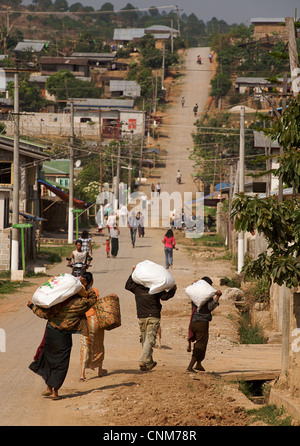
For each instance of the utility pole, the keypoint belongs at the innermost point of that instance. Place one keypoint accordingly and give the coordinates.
(15, 215)
(163, 68)
(71, 181)
(100, 150)
(130, 165)
(172, 37)
(284, 292)
(241, 242)
(142, 144)
(293, 55)
(280, 185)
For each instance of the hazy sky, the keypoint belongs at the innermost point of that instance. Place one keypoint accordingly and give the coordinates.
(232, 11)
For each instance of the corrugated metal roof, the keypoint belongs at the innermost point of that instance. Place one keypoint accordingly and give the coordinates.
(32, 45)
(98, 56)
(102, 103)
(161, 28)
(129, 88)
(267, 20)
(60, 166)
(128, 33)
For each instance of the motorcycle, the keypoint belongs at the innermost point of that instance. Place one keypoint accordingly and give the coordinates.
(178, 179)
(78, 268)
(199, 61)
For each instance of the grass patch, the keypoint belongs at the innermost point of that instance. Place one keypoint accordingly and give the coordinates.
(270, 415)
(250, 334)
(55, 254)
(8, 287)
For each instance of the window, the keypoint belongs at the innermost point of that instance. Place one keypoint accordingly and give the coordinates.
(64, 182)
(6, 172)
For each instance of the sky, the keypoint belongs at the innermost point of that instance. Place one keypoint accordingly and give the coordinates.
(232, 11)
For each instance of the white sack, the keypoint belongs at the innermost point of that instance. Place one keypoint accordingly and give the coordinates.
(153, 276)
(200, 292)
(56, 290)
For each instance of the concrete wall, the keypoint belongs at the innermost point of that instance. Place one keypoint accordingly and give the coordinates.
(5, 249)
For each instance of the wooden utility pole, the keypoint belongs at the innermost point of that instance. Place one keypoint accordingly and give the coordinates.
(293, 55)
(71, 179)
(280, 185)
(100, 150)
(16, 183)
(241, 242)
(163, 68)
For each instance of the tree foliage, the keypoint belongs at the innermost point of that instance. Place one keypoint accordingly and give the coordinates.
(278, 221)
(64, 85)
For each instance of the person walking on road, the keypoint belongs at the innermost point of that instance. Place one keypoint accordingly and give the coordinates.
(52, 358)
(114, 237)
(148, 308)
(195, 109)
(92, 345)
(86, 242)
(132, 224)
(169, 245)
(199, 329)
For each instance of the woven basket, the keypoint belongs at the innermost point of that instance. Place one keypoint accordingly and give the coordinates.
(108, 312)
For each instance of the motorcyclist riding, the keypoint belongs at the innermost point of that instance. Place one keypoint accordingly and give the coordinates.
(79, 260)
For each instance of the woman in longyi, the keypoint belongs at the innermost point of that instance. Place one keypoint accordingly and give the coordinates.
(92, 346)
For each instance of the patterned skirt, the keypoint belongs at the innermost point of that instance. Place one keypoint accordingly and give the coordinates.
(92, 347)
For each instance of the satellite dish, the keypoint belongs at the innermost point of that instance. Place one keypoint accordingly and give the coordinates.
(78, 163)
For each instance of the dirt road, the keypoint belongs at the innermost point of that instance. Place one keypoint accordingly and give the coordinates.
(126, 396)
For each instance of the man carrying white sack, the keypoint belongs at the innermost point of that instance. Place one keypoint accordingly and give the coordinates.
(199, 329)
(148, 312)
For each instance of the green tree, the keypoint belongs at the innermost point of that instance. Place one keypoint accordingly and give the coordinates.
(30, 97)
(64, 85)
(221, 85)
(279, 221)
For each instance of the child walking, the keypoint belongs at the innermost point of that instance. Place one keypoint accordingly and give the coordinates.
(107, 248)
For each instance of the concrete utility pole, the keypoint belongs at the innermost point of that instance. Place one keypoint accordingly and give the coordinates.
(241, 242)
(284, 292)
(16, 184)
(71, 180)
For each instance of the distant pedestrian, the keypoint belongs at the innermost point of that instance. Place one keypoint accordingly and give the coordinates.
(195, 109)
(140, 220)
(114, 237)
(169, 245)
(86, 242)
(199, 329)
(152, 190)
(107, 247)
(132, 224)
(158, 189)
